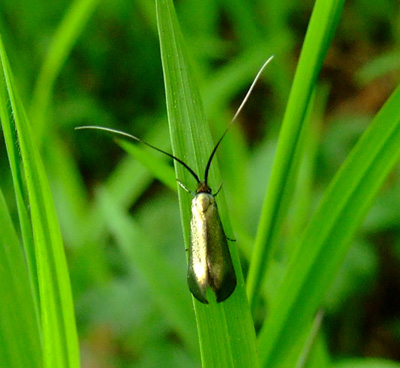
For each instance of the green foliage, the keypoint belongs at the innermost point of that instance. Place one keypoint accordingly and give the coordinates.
(54, 311)
(313, 153)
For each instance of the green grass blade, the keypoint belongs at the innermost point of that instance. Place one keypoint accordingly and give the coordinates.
(322, 26)
(20, 344)
(69, 191)
(19, 190)
(64, 39)
(327, 238)
(60, 344)
(226, 332)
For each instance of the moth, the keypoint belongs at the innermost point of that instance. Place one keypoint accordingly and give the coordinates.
(210, 264)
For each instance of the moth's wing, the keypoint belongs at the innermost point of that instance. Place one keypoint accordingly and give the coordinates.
(198, 269)
(222, 277)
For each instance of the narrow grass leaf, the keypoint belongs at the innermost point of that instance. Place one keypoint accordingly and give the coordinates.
(20, 344)
(69, 190)
(60, 343)
(319, 34)
(326, 240)
(64, 39)
(226, 331)
(19, 189)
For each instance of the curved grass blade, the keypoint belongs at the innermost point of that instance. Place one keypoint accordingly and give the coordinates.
(319, 34)
(59, 337)
(226, 332)
(64, 39)
(19, 189)
(326, 240)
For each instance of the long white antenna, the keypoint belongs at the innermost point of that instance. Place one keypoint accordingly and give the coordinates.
(235, 116)
(251, 88)
(119, 132)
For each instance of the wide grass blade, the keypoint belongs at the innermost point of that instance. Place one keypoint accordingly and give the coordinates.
(60, 344)
(226, 331)
(280, 190)
(326, 240)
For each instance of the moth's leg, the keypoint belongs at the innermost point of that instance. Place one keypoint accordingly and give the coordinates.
(185, 189)
(232, 240)
(220, 187)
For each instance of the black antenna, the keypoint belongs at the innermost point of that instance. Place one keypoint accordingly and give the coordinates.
(234, 118)
(119, 132)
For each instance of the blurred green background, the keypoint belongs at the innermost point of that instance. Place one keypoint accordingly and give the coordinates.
(110, 74)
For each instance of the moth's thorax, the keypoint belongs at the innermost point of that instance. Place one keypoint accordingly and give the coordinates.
(202, 201)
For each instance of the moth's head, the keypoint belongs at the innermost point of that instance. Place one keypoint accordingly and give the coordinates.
(203, 188)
